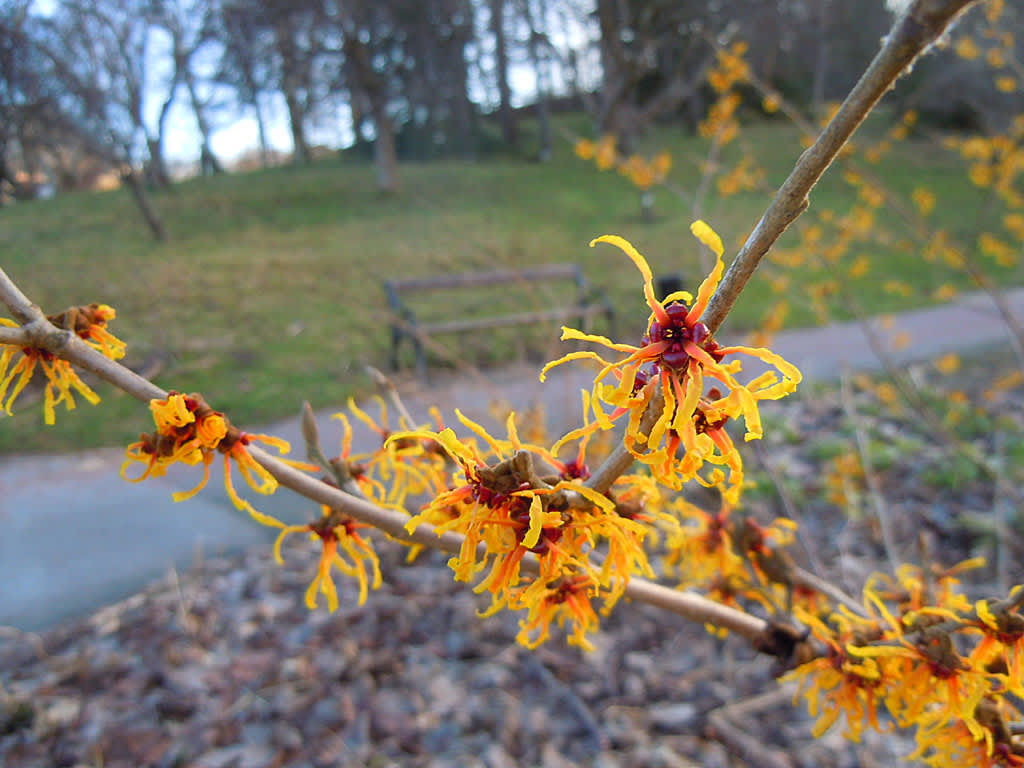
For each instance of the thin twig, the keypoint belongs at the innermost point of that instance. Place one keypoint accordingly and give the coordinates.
(874, 488)
(14, 336)
(1002, 516)
(621, 458)
(730, 725)
(393, 522)
(69, 347)
(314, 452)
(388, 385)
(912, 33)
(807, 580)
(789, 507)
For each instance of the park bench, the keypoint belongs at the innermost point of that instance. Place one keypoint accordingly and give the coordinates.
(587, 303)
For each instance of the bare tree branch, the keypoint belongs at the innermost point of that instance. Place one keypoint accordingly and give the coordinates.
(913, 32)
(64, 344)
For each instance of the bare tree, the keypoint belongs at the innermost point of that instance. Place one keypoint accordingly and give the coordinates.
(509, 130)
(190, 26)
(654, 60)
(297, 28)
(539, 46)
(246, 62)
(96, 53)
(363, 24)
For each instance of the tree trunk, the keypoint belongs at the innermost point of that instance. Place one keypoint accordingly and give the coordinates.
(6, 174)
(138, 190)
(261, 127)
(156, 172)
(542, 72)
(157, 165)
(461, 105)
(385, 155)
(301, 154)
(291, 81)
(821, 63)
(508, 120)
(616, 111)
(208, 162)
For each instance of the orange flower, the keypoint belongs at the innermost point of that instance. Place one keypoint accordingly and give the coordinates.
(90, 324)
(838, 684)
(337, 532)
(563, 600)
(585, 149)
(679, 354)
(506, 504)
(189, 431)
(398, 468)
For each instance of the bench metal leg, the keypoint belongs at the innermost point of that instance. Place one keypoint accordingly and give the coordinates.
(421, 359)
(396, 340)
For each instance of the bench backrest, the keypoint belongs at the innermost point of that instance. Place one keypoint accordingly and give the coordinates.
(495, 277)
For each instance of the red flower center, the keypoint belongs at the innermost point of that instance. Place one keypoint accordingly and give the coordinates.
(678, 334)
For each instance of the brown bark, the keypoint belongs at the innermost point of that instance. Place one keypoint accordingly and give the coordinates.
(138, 190)
(385, 155)
(509, 129)
(542, 71)
(209, 164)
(290, 83)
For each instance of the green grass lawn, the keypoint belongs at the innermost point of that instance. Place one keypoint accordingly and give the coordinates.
(269, 289)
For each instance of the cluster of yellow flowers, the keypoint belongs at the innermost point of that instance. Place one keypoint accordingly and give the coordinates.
(920, 651)
(535, 536)
(538, 537)
(668, 372)
(642, 172)
(189, 431)
(998, 46)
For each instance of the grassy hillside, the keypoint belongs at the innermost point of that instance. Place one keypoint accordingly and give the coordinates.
(269, 290)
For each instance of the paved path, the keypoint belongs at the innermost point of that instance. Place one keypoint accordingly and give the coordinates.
(74, 537)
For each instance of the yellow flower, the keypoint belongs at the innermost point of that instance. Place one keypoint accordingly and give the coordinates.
(562, 600)
(949, 363)
(605, 153)
(504, 509)
(585, 149)
(61, 379)
(966, 48)
(335, 530)
(679, 354)
(924, 199)
(189, 431)
(1006, 84)
(1014, 222)
(89, 323)
(1003, 253)
(395, 470)
(837, 684)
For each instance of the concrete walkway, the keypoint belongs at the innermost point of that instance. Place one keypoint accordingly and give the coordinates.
(73, 536)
